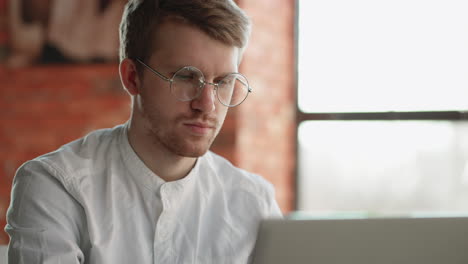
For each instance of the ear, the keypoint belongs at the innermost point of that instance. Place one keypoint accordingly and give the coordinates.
(129, 76)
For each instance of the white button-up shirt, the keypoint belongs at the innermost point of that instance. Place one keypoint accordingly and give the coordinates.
(94, 201)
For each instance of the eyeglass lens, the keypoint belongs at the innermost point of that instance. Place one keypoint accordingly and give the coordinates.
(188, 82)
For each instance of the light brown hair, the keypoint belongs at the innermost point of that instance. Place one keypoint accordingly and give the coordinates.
(222, 20)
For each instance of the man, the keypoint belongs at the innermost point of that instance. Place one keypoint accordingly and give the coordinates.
(149, 191)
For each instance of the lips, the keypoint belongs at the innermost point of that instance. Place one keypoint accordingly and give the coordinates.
(199, 128)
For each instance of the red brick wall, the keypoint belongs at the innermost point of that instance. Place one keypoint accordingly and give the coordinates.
(266, 122)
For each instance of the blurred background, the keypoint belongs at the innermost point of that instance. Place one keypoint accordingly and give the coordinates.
(358, 106)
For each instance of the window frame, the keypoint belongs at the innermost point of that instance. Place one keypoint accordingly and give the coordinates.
(301, 116)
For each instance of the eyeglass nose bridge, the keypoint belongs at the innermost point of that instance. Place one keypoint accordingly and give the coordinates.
(203, 83)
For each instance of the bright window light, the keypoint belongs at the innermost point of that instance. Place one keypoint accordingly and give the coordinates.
(377, 56)
(398, 55)
(383, 166)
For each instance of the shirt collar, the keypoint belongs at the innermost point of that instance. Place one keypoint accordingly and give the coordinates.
(135, 166)
(143, 174)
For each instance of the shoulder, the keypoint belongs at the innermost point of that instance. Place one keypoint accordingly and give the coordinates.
(91, 149)
(242, 190)
(241, 185)
(74, 157)
(87, 146)
(234, 176)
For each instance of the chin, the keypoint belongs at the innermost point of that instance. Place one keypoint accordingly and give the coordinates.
(189, 149)
(184, 145)
(192, 153)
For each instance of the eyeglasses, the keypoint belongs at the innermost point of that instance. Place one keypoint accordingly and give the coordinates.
(188, 82)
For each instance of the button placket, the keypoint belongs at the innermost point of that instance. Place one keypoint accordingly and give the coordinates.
(166, 204)
(170, 194)
(164, 223)
(163, 233)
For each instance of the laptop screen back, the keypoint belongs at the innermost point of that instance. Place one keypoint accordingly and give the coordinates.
(363, 241)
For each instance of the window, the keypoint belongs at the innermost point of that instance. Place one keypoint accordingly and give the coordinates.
(382, 95)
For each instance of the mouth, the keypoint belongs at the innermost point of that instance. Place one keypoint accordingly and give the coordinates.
(199, 128)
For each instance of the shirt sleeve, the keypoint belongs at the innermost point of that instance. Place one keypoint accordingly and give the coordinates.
(273, 209)
(44, 221)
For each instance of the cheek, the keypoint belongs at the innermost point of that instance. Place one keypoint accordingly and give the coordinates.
(155, 96)
(155, 88)
(222, 113)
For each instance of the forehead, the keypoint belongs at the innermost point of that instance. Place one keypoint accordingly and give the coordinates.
(176, 43)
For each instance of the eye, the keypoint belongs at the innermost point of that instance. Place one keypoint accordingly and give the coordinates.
(185, 77)
(227, 81)
(188, 74)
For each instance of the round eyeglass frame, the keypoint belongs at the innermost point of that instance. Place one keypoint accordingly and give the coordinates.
(203, 83)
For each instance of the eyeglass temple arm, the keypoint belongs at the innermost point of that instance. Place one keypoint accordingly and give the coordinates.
(246, 84)
(154, 71)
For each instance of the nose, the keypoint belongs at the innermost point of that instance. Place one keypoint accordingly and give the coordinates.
(205, 102)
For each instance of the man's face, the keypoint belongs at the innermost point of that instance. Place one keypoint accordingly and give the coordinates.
(183, 128)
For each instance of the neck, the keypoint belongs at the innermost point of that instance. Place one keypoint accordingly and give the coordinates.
(167, 165)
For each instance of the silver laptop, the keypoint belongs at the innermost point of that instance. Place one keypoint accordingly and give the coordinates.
(441, 240)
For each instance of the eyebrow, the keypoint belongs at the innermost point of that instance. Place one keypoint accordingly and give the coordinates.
(223, 74)
(170, 69)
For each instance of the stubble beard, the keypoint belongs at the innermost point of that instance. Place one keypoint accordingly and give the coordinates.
(162, 132)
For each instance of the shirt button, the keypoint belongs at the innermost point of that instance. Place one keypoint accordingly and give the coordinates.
(163, 234)
(166, 204)
(178, 188)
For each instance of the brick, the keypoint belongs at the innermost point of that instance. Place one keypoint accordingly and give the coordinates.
(270, 132)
